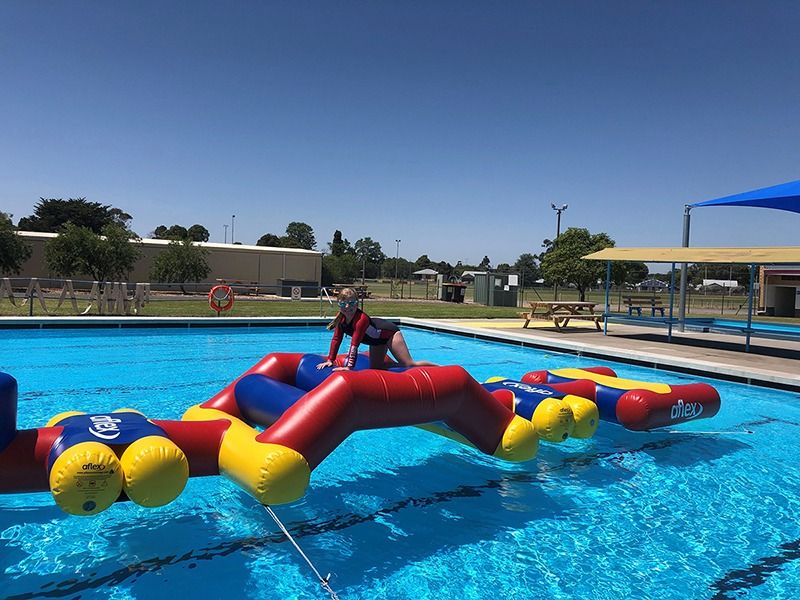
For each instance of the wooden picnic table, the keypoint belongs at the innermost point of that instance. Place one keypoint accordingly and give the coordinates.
(560, 313)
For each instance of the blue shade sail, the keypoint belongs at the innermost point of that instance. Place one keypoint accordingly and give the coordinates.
(785, 196)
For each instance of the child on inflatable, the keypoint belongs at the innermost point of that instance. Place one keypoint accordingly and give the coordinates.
(379, 334)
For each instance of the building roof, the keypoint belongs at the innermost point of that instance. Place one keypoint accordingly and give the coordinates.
(748, 256)
(214, 245)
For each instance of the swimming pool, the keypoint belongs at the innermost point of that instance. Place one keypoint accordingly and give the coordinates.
(405, 514)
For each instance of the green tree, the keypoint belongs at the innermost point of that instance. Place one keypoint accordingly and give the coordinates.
(80, 251)
(198, 233)
(562, 263)
(300, 235)
(13, 249)
(182, 261)
(424, 262)
(486, 264)
(369, 255)
(340, 269)
(526, 266)
(50, 214)
(174, 232)
(339, 246)
(269, 239)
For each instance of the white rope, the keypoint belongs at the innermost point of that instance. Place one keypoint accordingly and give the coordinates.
(324, 581)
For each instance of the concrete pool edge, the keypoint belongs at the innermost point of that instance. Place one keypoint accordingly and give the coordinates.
(670, 359)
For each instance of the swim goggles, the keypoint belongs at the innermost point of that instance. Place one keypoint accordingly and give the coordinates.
(347, 303)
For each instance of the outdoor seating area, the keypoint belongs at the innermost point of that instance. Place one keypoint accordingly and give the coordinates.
(561, 313)
(637, 303)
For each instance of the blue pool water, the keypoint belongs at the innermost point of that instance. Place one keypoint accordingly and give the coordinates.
(403, 513)
(760, 326)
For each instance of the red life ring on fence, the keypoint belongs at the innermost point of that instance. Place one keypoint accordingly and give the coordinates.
(220, 298)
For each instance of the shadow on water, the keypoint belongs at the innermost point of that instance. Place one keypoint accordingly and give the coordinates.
(381, 521)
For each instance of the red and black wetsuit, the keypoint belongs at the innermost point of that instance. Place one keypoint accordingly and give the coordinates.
(363, 328)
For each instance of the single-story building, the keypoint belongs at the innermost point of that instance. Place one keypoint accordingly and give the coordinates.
(272, 268)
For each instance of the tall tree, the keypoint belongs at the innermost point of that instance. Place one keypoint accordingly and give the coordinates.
(486, 264)
(300, 235)
(369, 255)
(173, 232)
(198, 233)
(269, 239)
(526, 266)
(13, 249)
(339, 246)
(181, 262)
(49, 214)
(80, 251)
(563, 264)
(423, 262)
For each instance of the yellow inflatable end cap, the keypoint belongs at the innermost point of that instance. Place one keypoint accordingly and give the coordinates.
(553, 420)
(155, 471)
(86, 479)
(495, 379)
(586, 413)
(520, 441)
(61, 416)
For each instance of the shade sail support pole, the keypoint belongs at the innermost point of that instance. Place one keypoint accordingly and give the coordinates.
(687, 218)
(608, 295)
(750, 308)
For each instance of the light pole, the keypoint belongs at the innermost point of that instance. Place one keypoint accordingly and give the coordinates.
(559, 210)
(232, 227)
(225, 227)
(396, 260)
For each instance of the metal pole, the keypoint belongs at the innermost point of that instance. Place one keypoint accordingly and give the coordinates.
(558, 210)
(671, 302)
(233, 217)
(687, 218)
(396, 260)
(225, 227)
(750, 307)
(608, 291)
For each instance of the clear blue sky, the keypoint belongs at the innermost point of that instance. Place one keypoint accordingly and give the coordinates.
(449, 125)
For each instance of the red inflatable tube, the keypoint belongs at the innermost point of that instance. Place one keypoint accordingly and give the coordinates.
(23, 463)
(354, 400)
(278, 365)
(640, 410)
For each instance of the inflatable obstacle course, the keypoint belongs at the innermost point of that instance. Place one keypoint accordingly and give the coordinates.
(89, 461)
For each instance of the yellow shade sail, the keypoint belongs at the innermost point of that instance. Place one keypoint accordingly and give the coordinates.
(749, 256)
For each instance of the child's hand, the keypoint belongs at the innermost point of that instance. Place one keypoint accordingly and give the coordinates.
(325, 365)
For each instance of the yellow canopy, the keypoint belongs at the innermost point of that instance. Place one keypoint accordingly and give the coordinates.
(748, 256)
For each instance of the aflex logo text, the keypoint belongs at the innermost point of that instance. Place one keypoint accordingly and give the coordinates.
(688, 410)
(104, 427)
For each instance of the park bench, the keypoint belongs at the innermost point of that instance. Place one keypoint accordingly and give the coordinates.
(637, 303)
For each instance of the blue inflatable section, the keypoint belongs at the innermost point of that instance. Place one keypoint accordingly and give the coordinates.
(262, 399)
(114, 428)
(527, 395)
(606, 399)
(8, 409)
(308, 376)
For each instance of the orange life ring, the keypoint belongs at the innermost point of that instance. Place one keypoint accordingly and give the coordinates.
(220, 298)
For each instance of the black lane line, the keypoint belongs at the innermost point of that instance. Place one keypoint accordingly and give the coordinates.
(739, 580)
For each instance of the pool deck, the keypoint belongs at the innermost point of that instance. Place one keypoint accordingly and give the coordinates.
(774, 363)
